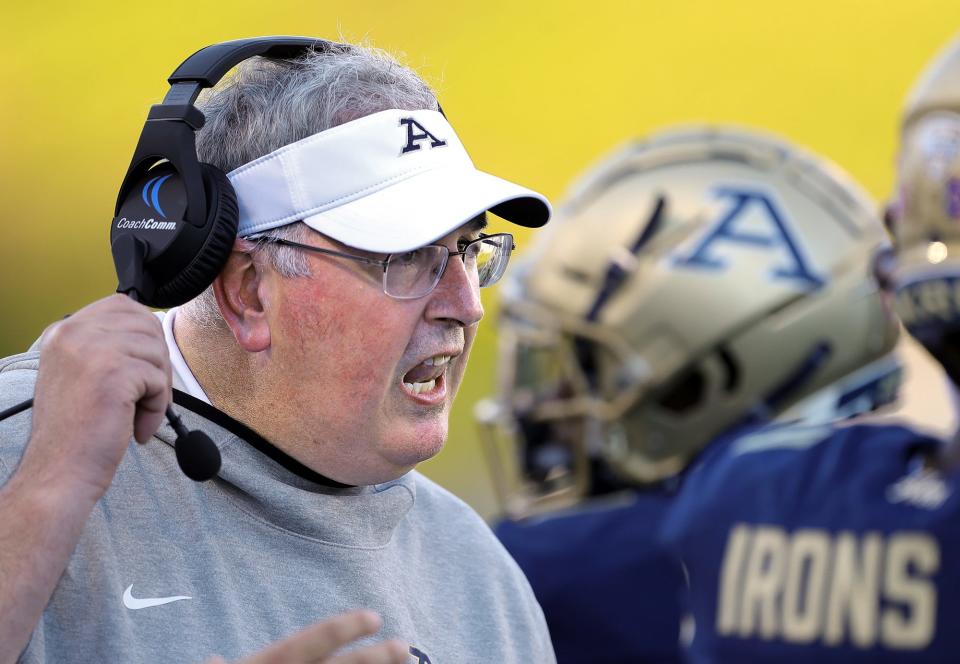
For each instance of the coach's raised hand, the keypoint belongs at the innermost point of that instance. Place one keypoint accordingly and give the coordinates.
(104, 378)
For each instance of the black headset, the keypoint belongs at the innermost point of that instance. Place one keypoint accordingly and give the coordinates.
(176, 218)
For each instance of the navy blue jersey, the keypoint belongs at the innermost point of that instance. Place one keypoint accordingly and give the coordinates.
(820, 544)
(609, 593)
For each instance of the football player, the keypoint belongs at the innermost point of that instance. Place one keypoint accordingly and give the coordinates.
(841, 543)
(700, 282)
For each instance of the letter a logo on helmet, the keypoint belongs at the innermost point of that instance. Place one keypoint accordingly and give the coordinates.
(151, 193)
(778, 236)
(413, 138)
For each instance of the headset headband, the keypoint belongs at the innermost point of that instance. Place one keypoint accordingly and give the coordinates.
(176, 219)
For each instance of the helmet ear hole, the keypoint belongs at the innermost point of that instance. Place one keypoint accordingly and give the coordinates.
(685, 392)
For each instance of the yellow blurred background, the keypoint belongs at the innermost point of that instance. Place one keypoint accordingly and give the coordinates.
(536, 90)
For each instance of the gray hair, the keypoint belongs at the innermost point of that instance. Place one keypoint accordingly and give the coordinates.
(270, 103)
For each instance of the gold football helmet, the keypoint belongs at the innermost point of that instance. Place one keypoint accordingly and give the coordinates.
(926, 216)
(690, 283)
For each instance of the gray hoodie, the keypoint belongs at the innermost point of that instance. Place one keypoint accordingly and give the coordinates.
(169, 570)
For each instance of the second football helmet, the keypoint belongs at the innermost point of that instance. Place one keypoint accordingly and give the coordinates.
(690, 283)
(926, 216)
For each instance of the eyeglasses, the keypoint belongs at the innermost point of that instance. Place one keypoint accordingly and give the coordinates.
(416, 273)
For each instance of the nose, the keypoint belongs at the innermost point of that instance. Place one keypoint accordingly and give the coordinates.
(457, 297)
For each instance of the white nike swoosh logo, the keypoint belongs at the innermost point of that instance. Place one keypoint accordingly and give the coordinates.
(132, 602)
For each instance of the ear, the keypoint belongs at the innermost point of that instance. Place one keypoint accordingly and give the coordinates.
(238, 292)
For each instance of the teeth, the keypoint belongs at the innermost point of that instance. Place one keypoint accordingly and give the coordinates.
(430, 385)
(418, 388)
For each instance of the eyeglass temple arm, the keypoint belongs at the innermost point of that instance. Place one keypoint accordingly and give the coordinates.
(363, 259)
(320, 250)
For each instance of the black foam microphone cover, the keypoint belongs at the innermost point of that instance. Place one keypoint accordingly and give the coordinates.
(198, 456)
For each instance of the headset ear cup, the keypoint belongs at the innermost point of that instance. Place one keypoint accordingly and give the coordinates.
(222, 220)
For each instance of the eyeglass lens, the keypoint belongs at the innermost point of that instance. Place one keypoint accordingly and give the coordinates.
(416, 273)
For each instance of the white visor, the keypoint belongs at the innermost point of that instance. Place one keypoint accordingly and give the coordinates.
(388, 182)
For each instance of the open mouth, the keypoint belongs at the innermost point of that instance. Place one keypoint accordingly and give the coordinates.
(427, 378)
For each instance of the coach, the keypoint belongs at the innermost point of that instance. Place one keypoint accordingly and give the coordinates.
(323, 362)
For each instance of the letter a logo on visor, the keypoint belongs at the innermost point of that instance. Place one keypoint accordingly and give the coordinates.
(377, 183)
(413, 139)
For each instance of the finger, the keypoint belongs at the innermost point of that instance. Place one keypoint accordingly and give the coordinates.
(136, 337)
(143, 322)
(112, 317)
(48, 331)
(137, 346)
(90, 354)
(323, 639)
(149, 416)
(319, 640)
(387, 652)
(115, 303)
(152, 407)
